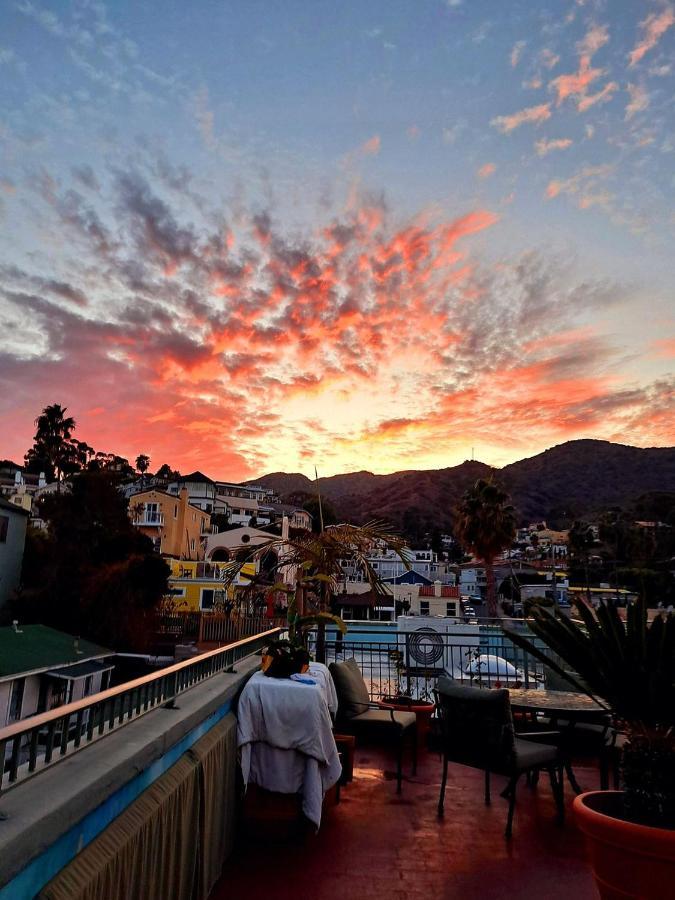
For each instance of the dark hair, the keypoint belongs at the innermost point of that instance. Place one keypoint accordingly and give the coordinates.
(287, 659)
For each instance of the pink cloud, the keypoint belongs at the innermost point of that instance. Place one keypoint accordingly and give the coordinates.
(653, 27)
(516, 53)
(486, 170)
(543, 147)
(603, 96)
(533, 114)
(639, 100)
(371, 146)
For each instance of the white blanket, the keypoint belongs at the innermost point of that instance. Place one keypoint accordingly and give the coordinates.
(285, 739)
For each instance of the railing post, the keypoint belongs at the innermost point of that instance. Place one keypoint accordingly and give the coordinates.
(200, 637)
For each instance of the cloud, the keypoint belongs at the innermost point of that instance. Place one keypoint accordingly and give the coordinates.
(603, 96)
(580, 182)
(371, 147)
(487, 170)
(533, 114)
(544, 147)
(639, 100)
(516, 53)
(653, 28)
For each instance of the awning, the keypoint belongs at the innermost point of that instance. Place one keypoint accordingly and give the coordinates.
(80, 670)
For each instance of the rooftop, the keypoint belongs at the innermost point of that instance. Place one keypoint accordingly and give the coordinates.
(33, 648)
(375, 844)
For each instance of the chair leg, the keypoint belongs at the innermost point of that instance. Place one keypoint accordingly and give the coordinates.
(556, 775)
(487, 787)
(399, 764)
(444, 780)
(512, 805)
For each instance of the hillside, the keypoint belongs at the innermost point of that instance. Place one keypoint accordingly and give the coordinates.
(571, 480)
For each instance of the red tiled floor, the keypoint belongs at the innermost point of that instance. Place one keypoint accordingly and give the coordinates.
(376, 844)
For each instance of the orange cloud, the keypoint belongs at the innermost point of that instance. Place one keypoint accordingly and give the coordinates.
(639, 100)
(601, 97)
(486, 170)
(371, 146)
(653, 27)
(533, 114)
(543, 147)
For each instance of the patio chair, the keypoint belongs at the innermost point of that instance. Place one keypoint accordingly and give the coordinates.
(359, 716)
(477, 731)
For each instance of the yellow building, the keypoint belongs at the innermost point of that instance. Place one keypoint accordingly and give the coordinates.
(175, 527)
(199, 586)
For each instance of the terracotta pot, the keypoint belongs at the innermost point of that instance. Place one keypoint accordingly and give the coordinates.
(630, 861)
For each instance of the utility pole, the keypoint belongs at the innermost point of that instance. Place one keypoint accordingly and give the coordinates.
(318, 493)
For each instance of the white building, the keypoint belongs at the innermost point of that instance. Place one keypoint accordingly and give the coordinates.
(41, 668)
(13, 522)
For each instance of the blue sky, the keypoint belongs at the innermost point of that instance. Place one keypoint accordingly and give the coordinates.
(171, 179)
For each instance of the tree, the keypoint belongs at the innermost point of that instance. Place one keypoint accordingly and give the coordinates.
(166, 473)
(328, 512)
(142, 463)
(310, 565)
(92, 573)
(53, 447)
(485, 524)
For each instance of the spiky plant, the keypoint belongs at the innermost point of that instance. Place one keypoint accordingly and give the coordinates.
(630, 667)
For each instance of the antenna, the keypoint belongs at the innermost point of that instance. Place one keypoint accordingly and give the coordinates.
(318, 494)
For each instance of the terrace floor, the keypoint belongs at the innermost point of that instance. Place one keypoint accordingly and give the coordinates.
(375, 844)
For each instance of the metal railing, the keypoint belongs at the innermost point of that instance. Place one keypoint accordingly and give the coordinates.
(31, 745)
(408, 663)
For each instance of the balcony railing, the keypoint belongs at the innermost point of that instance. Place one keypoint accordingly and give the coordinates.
(213, 627)
(149, 519)
(409, 663)
(31, 745)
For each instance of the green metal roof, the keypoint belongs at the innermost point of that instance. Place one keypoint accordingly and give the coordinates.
(36, 647)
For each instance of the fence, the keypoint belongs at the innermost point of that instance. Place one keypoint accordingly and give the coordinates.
(217, 628)
(408, 663)
(28, 746)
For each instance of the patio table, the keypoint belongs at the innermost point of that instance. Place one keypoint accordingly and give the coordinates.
(570, 706)
(285, 738)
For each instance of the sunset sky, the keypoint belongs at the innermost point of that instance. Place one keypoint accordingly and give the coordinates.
(257, 236)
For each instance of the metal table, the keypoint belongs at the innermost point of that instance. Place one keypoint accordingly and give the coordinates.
(568, 707)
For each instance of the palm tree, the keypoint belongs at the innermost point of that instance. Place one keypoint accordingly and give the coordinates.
(485, 524)
(312, 564)
(142, 466)
(53, 438)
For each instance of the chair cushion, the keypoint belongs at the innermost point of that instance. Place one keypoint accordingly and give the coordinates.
(528, 754)
(382, 718)
(353, 696)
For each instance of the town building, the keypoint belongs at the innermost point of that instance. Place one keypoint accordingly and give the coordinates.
(42, 668)
(13, 523)
(176, 527)
(200, 488)
(205, 586)
(420, 567)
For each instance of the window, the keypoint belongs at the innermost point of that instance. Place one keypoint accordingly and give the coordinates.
(450, 609)
(16, 700)
(424, 607)
(208, 595)
(175, 512)
(87, 686)
(4, 527)
(105, 680)
(192, 544)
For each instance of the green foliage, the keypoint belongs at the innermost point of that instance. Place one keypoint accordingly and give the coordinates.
(93, 573)
(485, 524)
(630, 667)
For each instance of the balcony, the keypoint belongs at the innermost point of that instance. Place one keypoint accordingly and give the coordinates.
(149, 520)
(375, 845)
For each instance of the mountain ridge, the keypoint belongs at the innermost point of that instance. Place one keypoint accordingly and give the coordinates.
(570, 480)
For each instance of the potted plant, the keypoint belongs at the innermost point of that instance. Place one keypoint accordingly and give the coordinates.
(629, 667)
(422, 706)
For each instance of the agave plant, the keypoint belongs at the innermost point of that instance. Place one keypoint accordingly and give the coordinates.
(629, 667)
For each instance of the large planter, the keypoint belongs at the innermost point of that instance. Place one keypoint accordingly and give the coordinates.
(630, 861)
(423, 709)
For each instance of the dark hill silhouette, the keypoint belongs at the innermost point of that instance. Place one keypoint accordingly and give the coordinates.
(572, 480)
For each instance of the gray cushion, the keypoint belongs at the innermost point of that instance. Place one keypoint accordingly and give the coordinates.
(351, 688)
(382, 717)
(529, 754)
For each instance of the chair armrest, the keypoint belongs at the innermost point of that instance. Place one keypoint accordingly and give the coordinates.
(540, 737)
(379, 705)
